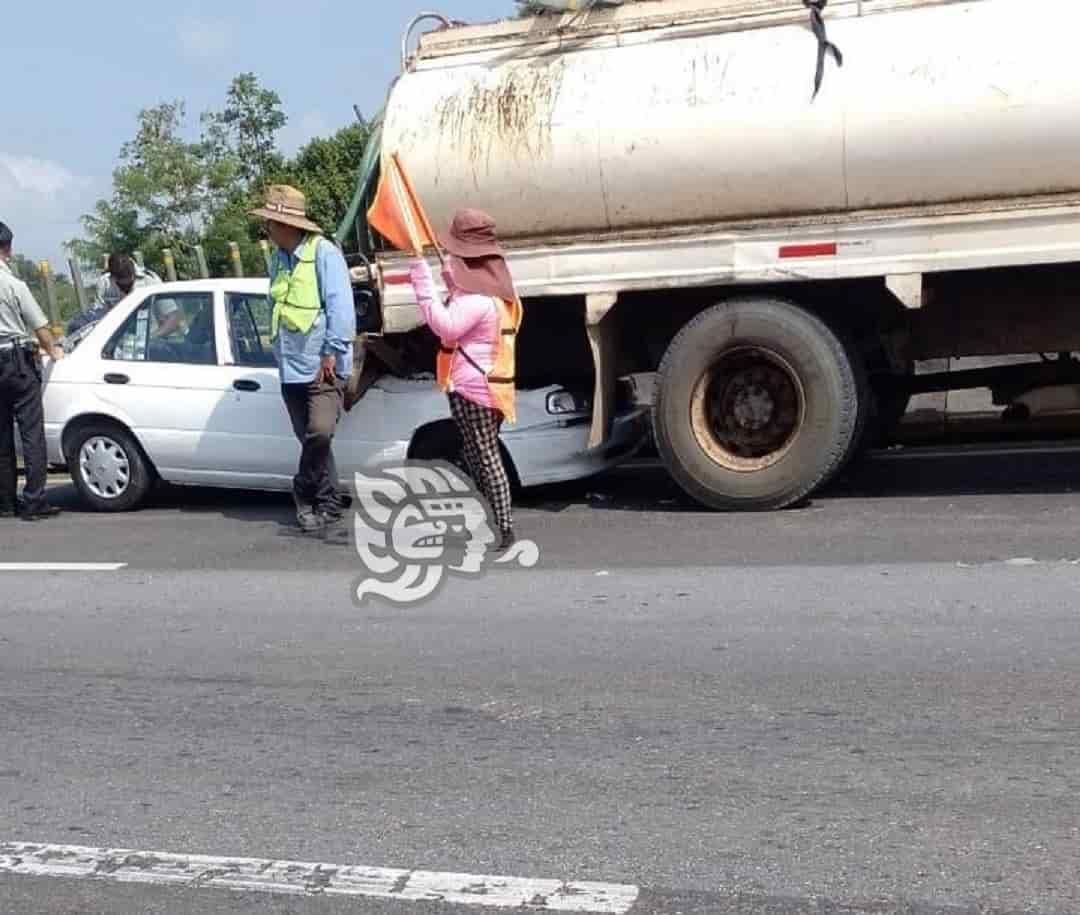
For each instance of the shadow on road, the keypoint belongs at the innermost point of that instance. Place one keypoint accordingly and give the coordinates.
(646, 486)
(907, 473)
(961, 472)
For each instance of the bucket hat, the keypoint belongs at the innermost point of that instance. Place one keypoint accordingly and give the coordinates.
(288, 206)
(481, 266)
(471, 235)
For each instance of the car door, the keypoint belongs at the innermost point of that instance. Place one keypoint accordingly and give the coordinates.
(256, 411)
(262, 437)
(160, 371)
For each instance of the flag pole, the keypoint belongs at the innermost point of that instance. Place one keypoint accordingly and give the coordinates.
(419, 209)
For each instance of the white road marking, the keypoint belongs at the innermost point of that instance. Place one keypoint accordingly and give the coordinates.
(297, 878)
(62, 566)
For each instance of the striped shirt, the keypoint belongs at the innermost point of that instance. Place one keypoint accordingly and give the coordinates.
(110, 295)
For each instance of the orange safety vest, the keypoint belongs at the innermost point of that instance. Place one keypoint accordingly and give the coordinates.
(502, 376)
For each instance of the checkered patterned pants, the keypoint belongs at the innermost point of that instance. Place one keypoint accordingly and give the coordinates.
(480, 433)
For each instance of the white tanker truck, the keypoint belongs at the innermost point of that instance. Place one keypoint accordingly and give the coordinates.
(677, 200)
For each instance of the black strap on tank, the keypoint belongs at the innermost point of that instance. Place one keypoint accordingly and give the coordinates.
(817, 23)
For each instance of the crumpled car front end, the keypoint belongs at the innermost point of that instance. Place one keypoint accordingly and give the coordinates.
(550, 442)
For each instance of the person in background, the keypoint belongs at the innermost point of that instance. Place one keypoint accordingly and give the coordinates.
(313, 327)
(21, 323)
(168, 318)
(476, 327)
(122, 278)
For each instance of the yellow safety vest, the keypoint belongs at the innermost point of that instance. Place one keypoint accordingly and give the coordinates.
(296, 294)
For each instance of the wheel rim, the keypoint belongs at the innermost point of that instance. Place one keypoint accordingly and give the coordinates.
(105, 467)
(747, 409)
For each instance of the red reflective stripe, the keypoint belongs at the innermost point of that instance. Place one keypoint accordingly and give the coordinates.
(827, 249)
(397, 279)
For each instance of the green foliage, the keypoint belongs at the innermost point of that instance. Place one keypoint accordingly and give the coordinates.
(244, 132)
(30, 273)
(165, 189)
(173, 192)
(325, 170)
(169, 181)
(109, 228)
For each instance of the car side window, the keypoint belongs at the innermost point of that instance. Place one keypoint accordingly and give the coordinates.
(168, 328)
(249, 327)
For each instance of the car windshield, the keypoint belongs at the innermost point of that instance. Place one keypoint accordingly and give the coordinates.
(71, 341)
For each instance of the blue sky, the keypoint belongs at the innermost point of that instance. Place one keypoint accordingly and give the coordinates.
(78, 74)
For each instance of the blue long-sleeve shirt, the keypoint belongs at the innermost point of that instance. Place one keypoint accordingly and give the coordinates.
(299, 355)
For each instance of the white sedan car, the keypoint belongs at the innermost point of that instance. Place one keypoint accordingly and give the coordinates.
(137, 401)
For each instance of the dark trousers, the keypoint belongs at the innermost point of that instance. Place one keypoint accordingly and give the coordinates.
(314, 410)
(20, 401)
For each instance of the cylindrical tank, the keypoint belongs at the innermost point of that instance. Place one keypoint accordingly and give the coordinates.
(682, 125)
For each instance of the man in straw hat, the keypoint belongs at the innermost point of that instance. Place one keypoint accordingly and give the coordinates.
(313, 328)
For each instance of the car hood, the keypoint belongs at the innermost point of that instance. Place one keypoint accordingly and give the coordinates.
(531, 402)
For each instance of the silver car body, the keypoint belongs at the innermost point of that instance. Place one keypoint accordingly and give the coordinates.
(222, 424)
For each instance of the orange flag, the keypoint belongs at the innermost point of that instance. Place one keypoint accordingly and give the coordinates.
(396, 213)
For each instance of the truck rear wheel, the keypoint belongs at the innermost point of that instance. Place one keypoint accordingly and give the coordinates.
(757, 405)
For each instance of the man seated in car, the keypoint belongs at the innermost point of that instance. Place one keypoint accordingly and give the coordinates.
(168, 318)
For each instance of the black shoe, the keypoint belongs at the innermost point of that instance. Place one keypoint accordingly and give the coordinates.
(12, 511)
(507, 541)
(41, 514)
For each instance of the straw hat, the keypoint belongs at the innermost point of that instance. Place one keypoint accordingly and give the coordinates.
(287, 206)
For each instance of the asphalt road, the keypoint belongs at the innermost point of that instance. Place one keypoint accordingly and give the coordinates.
(865, 704)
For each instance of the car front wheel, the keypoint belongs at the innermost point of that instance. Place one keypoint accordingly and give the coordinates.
(109, 469)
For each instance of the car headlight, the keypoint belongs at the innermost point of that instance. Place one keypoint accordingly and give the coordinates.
(560, 403)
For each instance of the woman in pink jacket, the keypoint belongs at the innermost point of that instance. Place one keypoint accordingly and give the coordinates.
(476, 276)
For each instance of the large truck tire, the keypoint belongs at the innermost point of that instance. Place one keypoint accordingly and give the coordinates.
(866, 406)
(887, 402)
(757, 405)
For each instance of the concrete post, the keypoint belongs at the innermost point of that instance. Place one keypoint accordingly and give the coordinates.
(200, 257)
(264, 246)
(138, 258)
(49, 281)
(170, 265)
(77, 282)
(234, 256)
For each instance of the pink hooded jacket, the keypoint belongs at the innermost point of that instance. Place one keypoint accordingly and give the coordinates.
(470, 321)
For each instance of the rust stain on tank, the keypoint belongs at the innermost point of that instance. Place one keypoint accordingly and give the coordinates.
(509, 116)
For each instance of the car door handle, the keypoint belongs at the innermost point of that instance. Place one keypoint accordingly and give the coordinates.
(243, 385)
(116, 379)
